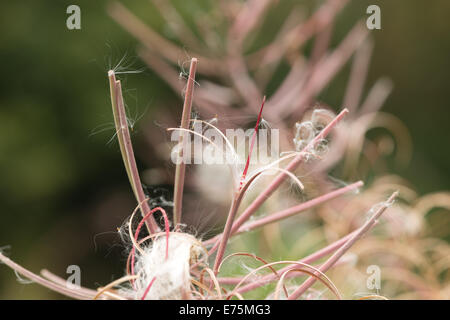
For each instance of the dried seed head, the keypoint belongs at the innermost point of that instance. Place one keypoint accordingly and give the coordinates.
(172, 275)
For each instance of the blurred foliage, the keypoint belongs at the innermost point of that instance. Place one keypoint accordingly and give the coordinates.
(54, 94)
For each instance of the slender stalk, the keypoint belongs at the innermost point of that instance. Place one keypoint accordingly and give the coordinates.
(126, 148)
(181, 165)
(298, 208)
(73, 293)
(113, 92)
(344, 248)
(237, 198)
(222, 243)
(225, 235)
(63, 282)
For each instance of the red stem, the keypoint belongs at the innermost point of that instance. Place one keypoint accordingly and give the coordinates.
(244, 173)
(181, 166)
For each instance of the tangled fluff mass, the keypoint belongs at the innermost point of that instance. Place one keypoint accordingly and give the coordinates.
(170, 274)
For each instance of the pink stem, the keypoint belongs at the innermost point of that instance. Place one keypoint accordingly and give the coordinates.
(299, 208)
(130, 159)
(44, 282)
(222, 243)
(344, 248)
(181, 166)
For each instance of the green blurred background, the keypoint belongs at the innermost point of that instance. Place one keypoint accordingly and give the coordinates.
(63, 191)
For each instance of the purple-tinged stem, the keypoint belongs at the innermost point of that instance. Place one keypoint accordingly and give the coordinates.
(237, 198)
(344, 248)
(63, 282)
(298, 208)
(126, 149)
(181, 165)
(222, 243)
(73, 293)
(226, 234)
(113, 92)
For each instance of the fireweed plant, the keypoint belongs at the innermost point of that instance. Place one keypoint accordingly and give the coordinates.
(168, 261)
(171, 264)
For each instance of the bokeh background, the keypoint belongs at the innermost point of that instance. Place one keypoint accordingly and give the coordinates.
(63, 189)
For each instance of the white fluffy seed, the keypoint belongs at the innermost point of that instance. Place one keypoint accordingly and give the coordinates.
(172, 275)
